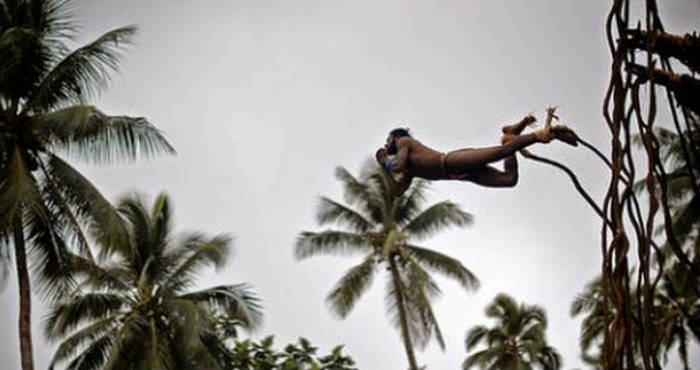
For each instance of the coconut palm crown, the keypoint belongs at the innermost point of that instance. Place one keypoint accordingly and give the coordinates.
(135, 310)
(516, 342)
(44, 87)
(382, 228)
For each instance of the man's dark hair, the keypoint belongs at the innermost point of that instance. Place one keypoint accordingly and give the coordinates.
(400, 132)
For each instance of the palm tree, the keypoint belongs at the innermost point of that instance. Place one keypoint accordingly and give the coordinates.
(516, 342)
(134, 311)
(681, 171)
(678, 309)
(43, 90)
(684, 197)
(677, 303)
(598, 307)
(380, 227)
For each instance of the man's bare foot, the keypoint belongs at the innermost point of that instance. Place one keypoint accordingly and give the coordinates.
(565, 134)
(507, 138)
(518, 127)
(545, 134)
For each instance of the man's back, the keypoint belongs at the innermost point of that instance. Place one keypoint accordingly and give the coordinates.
(421, 161)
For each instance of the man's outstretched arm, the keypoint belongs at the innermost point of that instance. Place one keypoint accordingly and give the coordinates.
(397, 187)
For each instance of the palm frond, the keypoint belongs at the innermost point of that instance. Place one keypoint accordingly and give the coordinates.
(132, 208)
(474, 336)
(417, 280)
(160, 214)
(237, 301)
(412, 201)
(595, 303)
(503, 306)
(357, 192)
(592, 329)
(93, 357)
(393, 299)
(24, 58)
(399, 292)
(199, 253)
(81, 74)
(496, 336)
(217, 349)
(533, 333)
(420, 290)
(331, 242)
(593, 295)
(445, 265)
(114, 277)
(687, 218)
(18, 189)
(85, 132)
(72, 227)
(437, 217)
(128, 343)
(549, 358)
(532, 315)
(481, 359)
(49, 252)
(353, 189)
(66, 316)
(350, 287)
(331, 211)
(381, 195)
(76, 341)
(192, 332)
(101, 218)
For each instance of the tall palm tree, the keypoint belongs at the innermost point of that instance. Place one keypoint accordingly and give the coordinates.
(678, 311)
(43, 89)
(516, 342)
(381, 227)
(135, 310)
(677, 303)
(597, 306)
(598, 309)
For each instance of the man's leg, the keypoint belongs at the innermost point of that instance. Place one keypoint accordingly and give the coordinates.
(472, 164)
(492, 177)
(476, 158)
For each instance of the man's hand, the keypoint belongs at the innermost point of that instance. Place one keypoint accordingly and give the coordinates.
(384, 161)
(381, 156)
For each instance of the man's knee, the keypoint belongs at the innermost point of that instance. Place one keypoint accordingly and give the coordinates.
(511, 180)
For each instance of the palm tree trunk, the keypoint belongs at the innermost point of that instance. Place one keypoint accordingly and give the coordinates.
(25, 299)
(403, 319)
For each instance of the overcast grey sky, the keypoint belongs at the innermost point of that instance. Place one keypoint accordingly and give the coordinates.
(262, 99)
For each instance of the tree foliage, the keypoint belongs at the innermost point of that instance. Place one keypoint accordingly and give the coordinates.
(381, 228)
(676, 317)
(44, 115)
(517, 340)
(252, 355)
(135, 310)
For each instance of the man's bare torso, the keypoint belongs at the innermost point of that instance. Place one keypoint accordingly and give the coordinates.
(422, 161)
